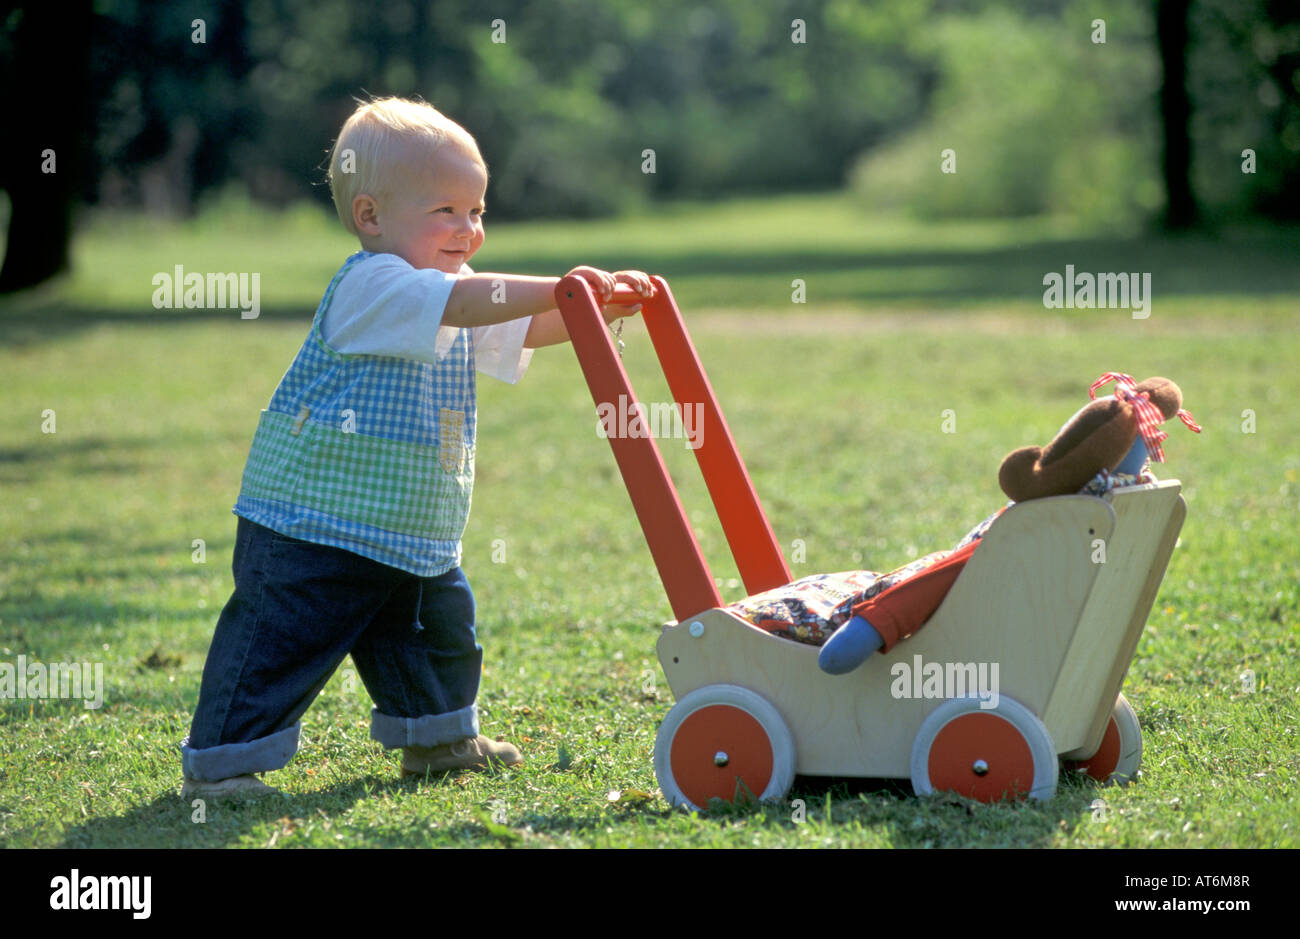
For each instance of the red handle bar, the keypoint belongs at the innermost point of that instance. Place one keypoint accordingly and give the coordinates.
(671, 539)
(624, 294)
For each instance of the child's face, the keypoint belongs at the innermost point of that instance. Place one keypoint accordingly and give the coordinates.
(434, 216)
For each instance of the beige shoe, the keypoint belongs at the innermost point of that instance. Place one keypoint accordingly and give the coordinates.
(471, 753)
(226, 788)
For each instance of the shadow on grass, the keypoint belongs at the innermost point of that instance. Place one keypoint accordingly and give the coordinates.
(170, 822)
(54, 628)
(944, 820)
(93, 455)
(88, 456)
(120, 545)
(885, 806)
(1259, 261)
(832, 806)
(92, 452)
(36, 321)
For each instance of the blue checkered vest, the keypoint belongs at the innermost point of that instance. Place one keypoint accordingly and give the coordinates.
(374, 454)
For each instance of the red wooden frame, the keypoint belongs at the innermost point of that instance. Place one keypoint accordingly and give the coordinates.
(685, 573)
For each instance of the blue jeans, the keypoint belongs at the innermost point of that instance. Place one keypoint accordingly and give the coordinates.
(297, 610)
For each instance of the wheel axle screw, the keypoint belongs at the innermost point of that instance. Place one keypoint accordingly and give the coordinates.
(721, 759)
(980, 767)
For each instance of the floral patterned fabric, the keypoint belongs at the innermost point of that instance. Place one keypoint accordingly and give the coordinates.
(1105, 481)
(810, 609)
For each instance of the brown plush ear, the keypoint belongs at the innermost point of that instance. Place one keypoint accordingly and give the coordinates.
(1164, 394)
(1098, 438)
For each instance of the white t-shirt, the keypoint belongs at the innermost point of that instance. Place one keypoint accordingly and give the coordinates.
(383, 306)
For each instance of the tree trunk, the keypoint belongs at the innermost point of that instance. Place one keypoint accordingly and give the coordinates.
(1176, 113)
(49, 116)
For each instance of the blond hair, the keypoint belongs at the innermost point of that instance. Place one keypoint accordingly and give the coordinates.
(373, 137)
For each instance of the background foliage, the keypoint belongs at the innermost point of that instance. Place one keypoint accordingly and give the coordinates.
(1043, 118)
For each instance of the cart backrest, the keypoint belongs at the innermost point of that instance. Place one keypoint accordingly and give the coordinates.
(1132, 563)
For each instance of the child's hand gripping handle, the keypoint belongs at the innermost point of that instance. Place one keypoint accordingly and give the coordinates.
(622, 288)
(625, 294)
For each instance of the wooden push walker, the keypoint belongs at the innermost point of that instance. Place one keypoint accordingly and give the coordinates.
(1055, 597)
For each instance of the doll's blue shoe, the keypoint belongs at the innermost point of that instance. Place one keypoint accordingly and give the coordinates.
(850, 646)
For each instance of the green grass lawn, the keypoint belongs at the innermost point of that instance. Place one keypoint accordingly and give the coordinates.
(837, 405)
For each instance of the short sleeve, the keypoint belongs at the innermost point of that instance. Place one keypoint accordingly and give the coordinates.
(384, 306)
(498, 349)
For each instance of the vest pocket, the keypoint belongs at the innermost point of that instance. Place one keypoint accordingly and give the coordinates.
(452, 452)
(276, 459)
(395, 485)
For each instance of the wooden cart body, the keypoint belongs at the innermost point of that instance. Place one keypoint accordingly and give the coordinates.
(1056, 597)
(1061, 627)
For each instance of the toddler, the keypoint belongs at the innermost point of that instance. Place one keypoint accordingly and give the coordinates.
(357, 486)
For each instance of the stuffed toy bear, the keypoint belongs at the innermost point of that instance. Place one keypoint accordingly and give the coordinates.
(1115, 434)
(855, 613)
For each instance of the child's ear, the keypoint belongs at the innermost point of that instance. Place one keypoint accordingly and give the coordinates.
(365, 215)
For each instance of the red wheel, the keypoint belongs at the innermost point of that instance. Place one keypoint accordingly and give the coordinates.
(1120, 754)
(984, 754)
(724, 742)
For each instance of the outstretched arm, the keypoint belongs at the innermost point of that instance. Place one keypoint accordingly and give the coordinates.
(484, 299)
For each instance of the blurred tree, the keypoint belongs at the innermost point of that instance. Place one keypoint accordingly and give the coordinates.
(1244, 80)
(565, 98)
(1185, 109)
(1175, 113)
(572, 100)
(173, 112)
(1037, 114)
(41, 164)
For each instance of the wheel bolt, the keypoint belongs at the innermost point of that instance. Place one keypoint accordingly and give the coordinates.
(721, 759)
(980, 767)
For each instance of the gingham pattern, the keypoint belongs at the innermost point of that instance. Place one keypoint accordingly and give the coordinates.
(1149, 417)
(374, 454)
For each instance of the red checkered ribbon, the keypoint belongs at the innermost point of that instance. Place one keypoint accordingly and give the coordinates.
(1148, 415)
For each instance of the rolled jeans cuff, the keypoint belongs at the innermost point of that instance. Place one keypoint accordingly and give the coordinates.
(431, 730)
(239, 759)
